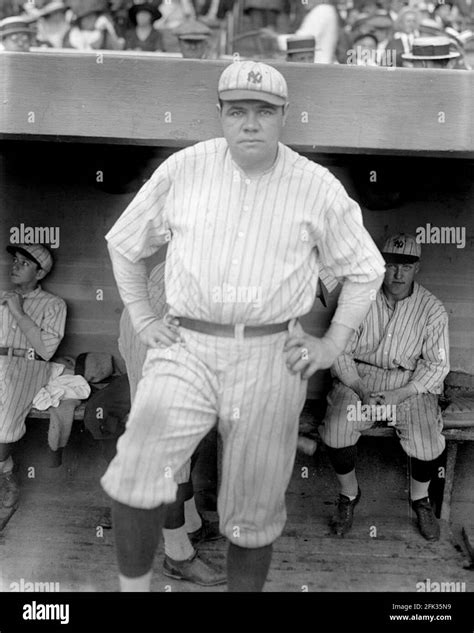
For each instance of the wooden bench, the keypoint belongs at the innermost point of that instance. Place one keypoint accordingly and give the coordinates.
(453, 436)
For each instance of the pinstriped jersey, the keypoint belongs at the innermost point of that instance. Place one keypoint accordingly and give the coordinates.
(132, 349)
(245, 250)
(48, 312)
(412, 336)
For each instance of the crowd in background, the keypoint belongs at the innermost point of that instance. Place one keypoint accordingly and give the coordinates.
(429, 33)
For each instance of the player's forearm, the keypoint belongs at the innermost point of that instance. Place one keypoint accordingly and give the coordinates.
(33, 334)
(131, 281)
(354, 302)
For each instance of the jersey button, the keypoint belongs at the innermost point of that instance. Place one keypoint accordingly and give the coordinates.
(247, 181)
(235, 262)
(246, 207)
(240, 233)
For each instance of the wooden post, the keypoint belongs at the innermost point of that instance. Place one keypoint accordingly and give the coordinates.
(451, 454)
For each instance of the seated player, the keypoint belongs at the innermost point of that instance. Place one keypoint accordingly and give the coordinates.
(32, 325)
(398, 358)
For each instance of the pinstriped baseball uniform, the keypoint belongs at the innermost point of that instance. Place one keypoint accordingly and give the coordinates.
(242, 251)
(134, 351)
(21, 378)
(393, 347)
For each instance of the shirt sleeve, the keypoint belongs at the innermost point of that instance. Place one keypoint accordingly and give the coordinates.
(433, 366)
(142, 228)
(344, 367)
(345, 246)
(46, 336)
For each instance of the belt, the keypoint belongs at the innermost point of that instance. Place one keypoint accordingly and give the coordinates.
(15, 351)
(218, 329)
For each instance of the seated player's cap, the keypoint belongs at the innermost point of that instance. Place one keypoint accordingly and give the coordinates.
(401, 249)
(253, 80)
(37, 253)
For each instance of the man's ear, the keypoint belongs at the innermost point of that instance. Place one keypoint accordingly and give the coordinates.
(40, 274)
(417, 268)
(285, 112)
(219, 109)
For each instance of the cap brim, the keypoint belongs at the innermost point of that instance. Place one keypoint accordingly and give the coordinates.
(251, 95)
(398, 258)
(410, 56)
(18, 249)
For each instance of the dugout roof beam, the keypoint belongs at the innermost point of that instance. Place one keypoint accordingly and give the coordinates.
(143, 99)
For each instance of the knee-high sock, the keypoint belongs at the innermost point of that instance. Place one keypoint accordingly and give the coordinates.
(191, 516)
(421, 473)
(247, 569)
(137, 534)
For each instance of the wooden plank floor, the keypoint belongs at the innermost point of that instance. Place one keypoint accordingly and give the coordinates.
(53, 535)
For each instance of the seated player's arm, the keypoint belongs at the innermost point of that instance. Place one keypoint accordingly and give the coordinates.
(44, 338)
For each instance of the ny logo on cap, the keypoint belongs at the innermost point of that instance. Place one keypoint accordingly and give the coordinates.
(399, 243)
(255, 78)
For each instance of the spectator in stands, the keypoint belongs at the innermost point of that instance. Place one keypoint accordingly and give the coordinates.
(16, 34)
(322, 23)
(381, 25)
(193, 39)
(406, 29)
(300, 49)
(442, 13)
(53, 24)
(264, 13)
(431, 52)
(118, 10)
(93, 30)
(143, 36)
(364, 50)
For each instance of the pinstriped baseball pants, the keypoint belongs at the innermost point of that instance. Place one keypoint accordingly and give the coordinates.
(185, 388)
(418, 419)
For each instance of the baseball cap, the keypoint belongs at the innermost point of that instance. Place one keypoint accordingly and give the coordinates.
(37, 253)
(253, 80)
(401, 248)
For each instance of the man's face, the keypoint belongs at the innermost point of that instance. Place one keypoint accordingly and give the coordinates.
(24, 272)
(193, 49)
(252, 128)
(143, 18)
(433, 63)
(87, 23)
(399, 279)
(409, 23)
(17, 42)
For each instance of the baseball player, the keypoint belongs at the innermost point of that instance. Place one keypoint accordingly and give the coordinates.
(398, 358)
(249, 222)
(31, 327)
(181, 559)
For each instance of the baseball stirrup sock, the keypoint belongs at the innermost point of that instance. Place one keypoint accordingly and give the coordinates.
(137, 533)
(342, 459)
(422, 471)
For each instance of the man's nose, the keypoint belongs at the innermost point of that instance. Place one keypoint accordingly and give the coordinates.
(251, 121)
(398, 272)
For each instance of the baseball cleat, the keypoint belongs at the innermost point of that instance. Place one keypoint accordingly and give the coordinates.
(427, 522)
(209, 531)
(341, 521)
(194, 569)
